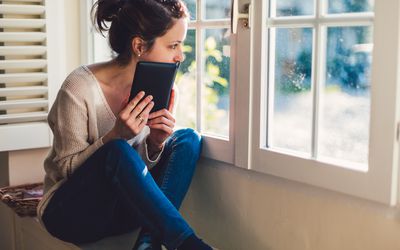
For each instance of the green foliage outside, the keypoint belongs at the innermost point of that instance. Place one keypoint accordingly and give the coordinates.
(215, 80)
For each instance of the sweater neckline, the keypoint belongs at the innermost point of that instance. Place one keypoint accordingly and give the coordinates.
(101, 93)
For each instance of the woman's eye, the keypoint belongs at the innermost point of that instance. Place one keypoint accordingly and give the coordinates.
(174, 46)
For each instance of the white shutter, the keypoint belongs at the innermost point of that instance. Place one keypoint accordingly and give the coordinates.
(24, 92)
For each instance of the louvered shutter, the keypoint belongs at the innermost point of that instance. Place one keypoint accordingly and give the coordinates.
(24, 91)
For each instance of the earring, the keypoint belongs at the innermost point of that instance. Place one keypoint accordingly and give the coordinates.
(139, 55)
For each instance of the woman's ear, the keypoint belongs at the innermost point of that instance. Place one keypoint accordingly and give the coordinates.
(138, 46)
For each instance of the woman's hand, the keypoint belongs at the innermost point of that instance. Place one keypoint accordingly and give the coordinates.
(161, 125)
(132, 119)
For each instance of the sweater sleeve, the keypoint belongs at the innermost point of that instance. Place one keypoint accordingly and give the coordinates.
(142, 149)
(140, 145)
(68, 120)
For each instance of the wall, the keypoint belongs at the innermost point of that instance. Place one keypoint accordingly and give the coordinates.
(72, 21)
(240, 209)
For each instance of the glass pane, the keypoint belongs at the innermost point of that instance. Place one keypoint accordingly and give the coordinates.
(217, 9)
(186, 84)
(294, 7)
(345, 99)
(191, 5)
(346, 6)
(290, 118)
(215, 99)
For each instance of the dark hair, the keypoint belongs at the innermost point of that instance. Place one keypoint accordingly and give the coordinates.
(146, 19)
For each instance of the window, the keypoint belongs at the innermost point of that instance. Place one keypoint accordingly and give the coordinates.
(204, 79)
(28, 65)
(317, 91)
(319, 81)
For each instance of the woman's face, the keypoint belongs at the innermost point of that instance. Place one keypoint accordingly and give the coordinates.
(169, 47)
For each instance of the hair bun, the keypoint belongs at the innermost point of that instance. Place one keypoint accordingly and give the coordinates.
(105, 11)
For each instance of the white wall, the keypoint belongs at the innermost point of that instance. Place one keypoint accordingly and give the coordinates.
(240, 209)
(72, 29)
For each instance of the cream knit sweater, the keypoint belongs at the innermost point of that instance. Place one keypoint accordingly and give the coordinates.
(79, 118)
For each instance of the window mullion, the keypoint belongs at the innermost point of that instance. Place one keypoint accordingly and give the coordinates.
(199, 9)
(318, 64)
(210, 23)
(199, 78)
(264, 135)
(199, 63)
(319, 68)
(311, 21)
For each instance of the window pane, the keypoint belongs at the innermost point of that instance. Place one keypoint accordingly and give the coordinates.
(215, 100)
(186, 84)
(345, 99)
(217, 9)
(294, 7)
(191, 5)
(290, 118)
(346, 6)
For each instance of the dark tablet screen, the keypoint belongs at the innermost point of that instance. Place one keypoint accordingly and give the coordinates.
(156, 79)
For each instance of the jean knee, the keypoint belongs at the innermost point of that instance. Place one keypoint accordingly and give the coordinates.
(188, 138)
(120, 150)
(121, 146)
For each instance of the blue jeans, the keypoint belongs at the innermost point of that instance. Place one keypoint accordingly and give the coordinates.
(113, 193)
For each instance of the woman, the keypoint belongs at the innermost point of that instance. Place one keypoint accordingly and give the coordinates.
(97, 183)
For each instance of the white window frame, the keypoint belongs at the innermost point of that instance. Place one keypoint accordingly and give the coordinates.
(218, 148)
(379, 183)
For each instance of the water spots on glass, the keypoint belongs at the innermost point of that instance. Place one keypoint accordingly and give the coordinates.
(291, 116)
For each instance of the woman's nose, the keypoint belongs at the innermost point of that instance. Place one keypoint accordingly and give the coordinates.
(180, 57)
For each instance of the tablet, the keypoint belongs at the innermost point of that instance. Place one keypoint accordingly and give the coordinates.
(156, 79)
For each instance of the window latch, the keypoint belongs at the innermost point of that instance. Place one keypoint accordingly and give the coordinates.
(236, 15)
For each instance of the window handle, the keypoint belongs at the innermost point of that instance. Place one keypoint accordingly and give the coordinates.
(236, 15)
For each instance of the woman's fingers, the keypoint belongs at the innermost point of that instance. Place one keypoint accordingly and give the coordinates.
(161, 120)
(141, 106)
(162, 112)
(162, 127)
(125, 113)
(135, 123)
(142, 117)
